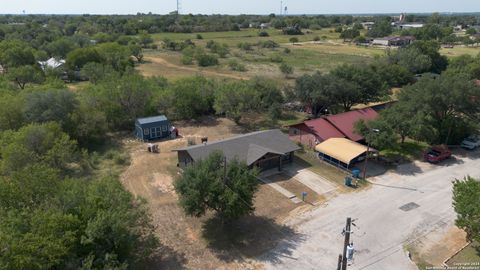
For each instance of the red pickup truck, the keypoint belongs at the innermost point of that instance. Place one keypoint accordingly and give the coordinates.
(437, 153)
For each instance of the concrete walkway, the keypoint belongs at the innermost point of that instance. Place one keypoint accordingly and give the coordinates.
(310, 179)
(280, 189)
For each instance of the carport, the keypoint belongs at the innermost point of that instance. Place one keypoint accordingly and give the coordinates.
(342, 152)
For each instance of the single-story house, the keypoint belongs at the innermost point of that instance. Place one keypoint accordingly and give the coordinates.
(154, 128)
(394, 41)
(52, 63)
(367, 25)
(342, 152)
(313, 132)
(262, 149)
(401, 25)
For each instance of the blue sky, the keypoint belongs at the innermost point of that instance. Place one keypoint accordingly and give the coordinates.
(235, 7)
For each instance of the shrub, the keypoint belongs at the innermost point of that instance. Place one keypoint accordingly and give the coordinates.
(220, 49)
(263, 34)
(287, 51)
(286, 69)
(276, 58)
(206, 60)
(187, 60)
(236, 66)
(293, 40)
(292, 31)
(269, 44)
(245, 46)
(316, 38)
(210, 44)
(199, 36)
(275, 112)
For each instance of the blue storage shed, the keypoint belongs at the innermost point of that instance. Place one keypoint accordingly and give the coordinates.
(152, 128)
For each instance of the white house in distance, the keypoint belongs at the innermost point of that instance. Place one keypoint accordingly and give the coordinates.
(393, 41)
(368, 25)
(51, 63)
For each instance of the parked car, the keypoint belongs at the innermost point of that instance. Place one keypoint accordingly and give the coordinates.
(471, 142)
(437, 153)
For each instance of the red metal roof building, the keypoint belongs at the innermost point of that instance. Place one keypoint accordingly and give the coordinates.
(342, 125)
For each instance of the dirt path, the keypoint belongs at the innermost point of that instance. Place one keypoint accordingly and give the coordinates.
(162, 61)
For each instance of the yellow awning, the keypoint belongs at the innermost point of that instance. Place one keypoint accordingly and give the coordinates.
(342, 149)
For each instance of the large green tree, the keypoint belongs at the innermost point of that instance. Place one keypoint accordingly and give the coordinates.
(466, 201)
(23, 75)
(208, 185)
(441, 108)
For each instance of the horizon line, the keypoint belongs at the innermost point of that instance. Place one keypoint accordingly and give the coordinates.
(242, 14)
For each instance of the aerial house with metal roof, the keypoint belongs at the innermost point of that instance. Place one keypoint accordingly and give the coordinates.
(154, 128)
(262, 149)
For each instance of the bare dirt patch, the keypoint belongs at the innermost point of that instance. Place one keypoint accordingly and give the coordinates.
(438, 246)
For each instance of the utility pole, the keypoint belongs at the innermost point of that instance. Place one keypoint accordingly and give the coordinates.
(339, 265)
(346, 243)
(281, 8)
(178, 7)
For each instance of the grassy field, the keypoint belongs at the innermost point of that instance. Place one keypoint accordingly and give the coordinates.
(306, 56)
(457, 51)
(232, 38)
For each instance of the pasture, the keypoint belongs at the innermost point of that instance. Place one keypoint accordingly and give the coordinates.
(316, 50)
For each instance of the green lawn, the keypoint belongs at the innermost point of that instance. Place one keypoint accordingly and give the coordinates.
(408, 151)
(469, 255)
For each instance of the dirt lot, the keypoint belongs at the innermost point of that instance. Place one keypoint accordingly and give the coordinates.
(202, 243)
(438, 246)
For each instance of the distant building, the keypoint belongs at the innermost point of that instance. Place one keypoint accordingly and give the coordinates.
(262, 149)
(458, 28)
(52, 63)
(393, 41)
(154, 128)
(265, 25)
(368, 25)
(402, 26)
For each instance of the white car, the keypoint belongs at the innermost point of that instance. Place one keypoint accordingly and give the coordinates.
(471, 142)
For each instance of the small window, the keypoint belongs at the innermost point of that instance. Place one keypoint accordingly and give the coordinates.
(146, 131)
(164, 128)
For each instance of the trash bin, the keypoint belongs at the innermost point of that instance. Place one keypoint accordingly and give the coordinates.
(348, 181)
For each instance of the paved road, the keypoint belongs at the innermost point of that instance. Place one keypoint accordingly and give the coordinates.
(382, 228)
